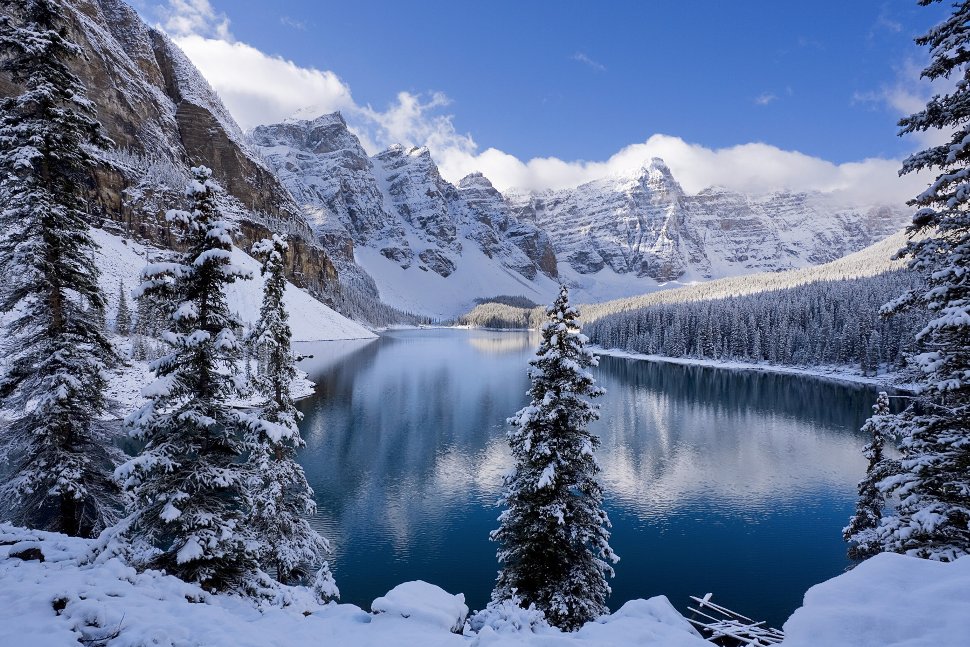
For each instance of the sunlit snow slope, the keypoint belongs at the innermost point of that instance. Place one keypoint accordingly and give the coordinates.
(121, 260)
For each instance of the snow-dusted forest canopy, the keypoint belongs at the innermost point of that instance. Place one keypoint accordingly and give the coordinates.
(827, 323)
(821, 316)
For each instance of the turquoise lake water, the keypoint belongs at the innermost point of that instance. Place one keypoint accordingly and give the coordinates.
(736, 483)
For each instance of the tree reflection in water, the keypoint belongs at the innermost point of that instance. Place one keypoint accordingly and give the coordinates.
(733, 482)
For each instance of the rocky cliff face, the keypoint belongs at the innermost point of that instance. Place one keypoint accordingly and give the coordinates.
(331, 177)
(397, 215)
(499, 233)
(163, 118)
(644, 225)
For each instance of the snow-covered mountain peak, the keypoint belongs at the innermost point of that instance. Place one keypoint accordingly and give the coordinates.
(654, 167)
(476, 180)
(322, 135)
(643, 225)
(325, 119)
(658, 176)
(397, 154)
(653, 176)
(404, 223)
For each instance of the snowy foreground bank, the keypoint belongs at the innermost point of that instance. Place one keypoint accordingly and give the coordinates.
(73, 597)
(831, 373)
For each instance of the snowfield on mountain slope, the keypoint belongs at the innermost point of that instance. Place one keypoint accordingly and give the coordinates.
(75, 597)
(122, 260)
(417, 290)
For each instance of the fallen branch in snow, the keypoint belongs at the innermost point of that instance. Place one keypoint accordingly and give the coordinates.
(731, 626)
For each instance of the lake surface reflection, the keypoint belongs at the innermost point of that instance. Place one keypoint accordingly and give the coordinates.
(736, 483)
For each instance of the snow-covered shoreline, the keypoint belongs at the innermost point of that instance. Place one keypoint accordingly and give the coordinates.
(76, 594)
(830, 373)
(840, 374)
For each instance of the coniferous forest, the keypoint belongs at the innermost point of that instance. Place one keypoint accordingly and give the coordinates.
(826, 323)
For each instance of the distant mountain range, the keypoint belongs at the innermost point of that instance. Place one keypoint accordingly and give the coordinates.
(613, 237)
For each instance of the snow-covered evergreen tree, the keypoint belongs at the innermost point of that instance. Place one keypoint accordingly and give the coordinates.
(933, 516)
(554, 535)
(60, 459)
(148, 326)
(280, 497)
(189, 484)
(123, 317)
(324, 588)
(860, 532)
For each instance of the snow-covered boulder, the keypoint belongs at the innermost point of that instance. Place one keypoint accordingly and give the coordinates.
(426, 603)
(887, 600)
(642, 622)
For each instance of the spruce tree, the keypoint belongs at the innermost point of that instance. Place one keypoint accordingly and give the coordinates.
(123, 318)
(280, 497)
(59, 455)
(861, 531)
(148, 325)
(554, 535)
(871, 355)
(189, 484)
(933, 516)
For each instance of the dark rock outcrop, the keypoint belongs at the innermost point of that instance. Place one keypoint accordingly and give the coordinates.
(163, 117)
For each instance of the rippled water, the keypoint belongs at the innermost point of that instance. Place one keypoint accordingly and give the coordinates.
(736, 483)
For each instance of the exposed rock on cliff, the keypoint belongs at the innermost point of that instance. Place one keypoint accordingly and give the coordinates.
(163, 118)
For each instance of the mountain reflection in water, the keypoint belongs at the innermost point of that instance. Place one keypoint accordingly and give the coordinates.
(733, 482)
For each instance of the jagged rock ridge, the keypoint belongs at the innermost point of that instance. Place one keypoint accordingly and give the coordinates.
(397, 205)
(616, 236)
(643, 224)
(397, 199)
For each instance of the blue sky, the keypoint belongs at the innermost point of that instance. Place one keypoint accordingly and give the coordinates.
(573, 81)
(582, 79)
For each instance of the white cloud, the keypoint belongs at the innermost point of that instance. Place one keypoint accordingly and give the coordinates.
(587, 61)
(905, 96)
(885, 22)
(908, 94)
(765, 98)
(196, 17)
(293, 23)
(258, 88)
(414, 122)
(754, 168)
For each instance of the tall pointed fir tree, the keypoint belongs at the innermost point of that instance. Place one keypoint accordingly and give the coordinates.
(189, 484)
(58, 454)
(280, 497)
(123, 317)
(932, 519)
(553, 532)
(861, 531)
